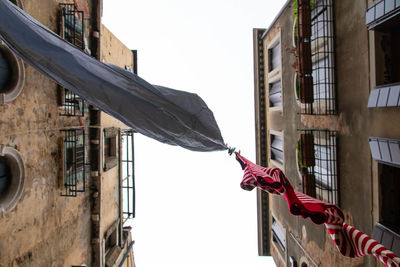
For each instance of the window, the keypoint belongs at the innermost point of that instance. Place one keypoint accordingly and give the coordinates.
(12, 75)
(278, 234)
(73, 162)
(72, 25)
(275, 94)
(383, 18)
(274, 55)
(111, 240)
(387, 231)
(277, 147)
(316, 60)
(112, 249)
(110, 147)
(72, 29)
(318, 164)
(12, 177)
(128, 175)
(5, 71)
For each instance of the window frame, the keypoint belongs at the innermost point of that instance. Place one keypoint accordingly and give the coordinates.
(321, 169)
(273, 158)
(74, 173)
(278, 232)
(111, 136)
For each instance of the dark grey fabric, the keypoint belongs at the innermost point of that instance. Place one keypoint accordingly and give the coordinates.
(169, 116)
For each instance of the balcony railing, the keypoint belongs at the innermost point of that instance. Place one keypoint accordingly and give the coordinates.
(72, 29)
(73, 162)
(317, 158)
(316, 52)
(128, 175)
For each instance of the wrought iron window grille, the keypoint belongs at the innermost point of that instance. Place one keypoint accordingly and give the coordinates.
(317, 160)
(128, 175)
(73, 161)
(316, 54)
(72, 29)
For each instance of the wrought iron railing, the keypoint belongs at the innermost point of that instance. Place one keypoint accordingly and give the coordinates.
(72, 29)
(128, 175)
(317, 160)
(316, 52)
(73, 162)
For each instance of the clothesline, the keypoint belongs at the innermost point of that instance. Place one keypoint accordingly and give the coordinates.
(349, 241)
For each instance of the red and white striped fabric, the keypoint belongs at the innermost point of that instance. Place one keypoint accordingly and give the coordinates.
(349, 241)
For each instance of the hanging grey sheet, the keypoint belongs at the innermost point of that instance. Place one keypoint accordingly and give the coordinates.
(169, 116)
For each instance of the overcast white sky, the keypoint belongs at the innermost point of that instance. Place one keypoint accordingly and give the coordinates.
(190, 210)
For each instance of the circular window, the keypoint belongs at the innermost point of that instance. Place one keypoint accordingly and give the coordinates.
(12, 178)
(12, 75)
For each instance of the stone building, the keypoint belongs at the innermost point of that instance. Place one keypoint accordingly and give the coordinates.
(66, 168)
(327, 113)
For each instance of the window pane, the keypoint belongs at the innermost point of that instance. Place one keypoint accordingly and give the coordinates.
(275, 94)
(275, 56)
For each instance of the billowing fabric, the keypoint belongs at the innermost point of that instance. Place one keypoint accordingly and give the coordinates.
(349, 241)
(169, 116)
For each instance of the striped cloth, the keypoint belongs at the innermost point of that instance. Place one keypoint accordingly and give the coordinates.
(349, 241)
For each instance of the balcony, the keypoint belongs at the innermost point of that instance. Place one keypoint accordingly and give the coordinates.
(128, 175)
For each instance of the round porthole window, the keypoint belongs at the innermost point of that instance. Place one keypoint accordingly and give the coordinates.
(12, 75)
(12, 178)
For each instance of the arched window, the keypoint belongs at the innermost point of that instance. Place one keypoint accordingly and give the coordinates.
(12, 75)
(12, 177)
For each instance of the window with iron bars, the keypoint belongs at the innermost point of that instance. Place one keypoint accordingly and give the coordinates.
(73, 162)
(317, 159)
(72, 29)
(316, 53)
(128, 175)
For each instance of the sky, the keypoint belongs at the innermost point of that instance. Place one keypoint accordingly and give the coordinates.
(190, 209)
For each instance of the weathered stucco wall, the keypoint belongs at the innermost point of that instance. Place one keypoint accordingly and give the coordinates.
(354, 124)
(44, 229)
(115, 52)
